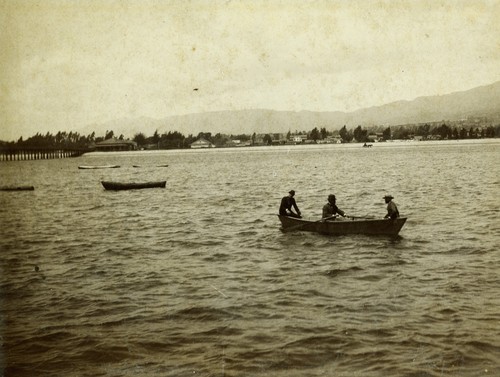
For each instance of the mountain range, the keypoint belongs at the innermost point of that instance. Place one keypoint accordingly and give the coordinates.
(483, 101)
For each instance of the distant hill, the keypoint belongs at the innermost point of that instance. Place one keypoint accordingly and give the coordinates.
(480, 101)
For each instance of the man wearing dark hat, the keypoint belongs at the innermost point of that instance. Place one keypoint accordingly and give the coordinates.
(392, 208)
(330, 209)
(287, 203)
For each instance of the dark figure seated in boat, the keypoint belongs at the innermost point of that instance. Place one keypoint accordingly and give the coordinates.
(287, 202)
(392, 208)
(330, 209)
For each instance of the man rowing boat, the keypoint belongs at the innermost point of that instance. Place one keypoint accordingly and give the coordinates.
(330, 209)
(392, 208)
(287, 202)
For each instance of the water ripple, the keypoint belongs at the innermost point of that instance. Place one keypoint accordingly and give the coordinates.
(197, 279)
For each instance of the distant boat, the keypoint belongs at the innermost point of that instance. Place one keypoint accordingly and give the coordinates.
(98, 166)
(16, 188)
(158, 166)
(108, 185)
(339, 227)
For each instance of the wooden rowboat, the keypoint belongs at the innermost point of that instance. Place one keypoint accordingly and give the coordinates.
(98, 166)
(132, 185)
(338, 227)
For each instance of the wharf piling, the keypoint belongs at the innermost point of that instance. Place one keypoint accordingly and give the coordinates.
(20, 154)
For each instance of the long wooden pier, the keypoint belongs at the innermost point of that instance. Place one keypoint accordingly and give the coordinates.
(19, 154)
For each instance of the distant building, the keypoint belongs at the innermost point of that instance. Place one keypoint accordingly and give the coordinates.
(334, 140)
(375, 137)
(114, 144)
(201, 143)
(298, 138)
(238, 143)
(259, 139)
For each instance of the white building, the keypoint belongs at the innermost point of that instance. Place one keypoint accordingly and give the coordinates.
(201, 143)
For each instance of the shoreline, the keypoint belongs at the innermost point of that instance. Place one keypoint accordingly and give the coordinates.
(300, 147)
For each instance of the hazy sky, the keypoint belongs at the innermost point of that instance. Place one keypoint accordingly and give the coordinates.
(66, 64)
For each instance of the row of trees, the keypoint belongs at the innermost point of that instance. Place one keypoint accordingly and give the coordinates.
(424, 131)
(359, 134)
(447, 132)
(61, 140)
(176, 140)
(172, 140)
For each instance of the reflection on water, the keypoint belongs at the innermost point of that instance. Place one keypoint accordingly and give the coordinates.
(198, 279)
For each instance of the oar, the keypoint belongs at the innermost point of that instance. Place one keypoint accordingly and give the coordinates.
(301, 225)
(363, 218)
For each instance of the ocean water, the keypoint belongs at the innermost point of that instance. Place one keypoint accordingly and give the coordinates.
(198, 280)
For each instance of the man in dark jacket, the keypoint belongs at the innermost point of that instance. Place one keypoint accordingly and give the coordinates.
(286, 205)
(392, 208)
(330, 209)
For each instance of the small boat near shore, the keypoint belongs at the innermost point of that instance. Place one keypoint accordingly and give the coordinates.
(109, 185)
(340, 227)
(158, 166)
(98, 166)
(16, 188)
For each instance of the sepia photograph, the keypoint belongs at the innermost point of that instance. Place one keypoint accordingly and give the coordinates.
(249, 188)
